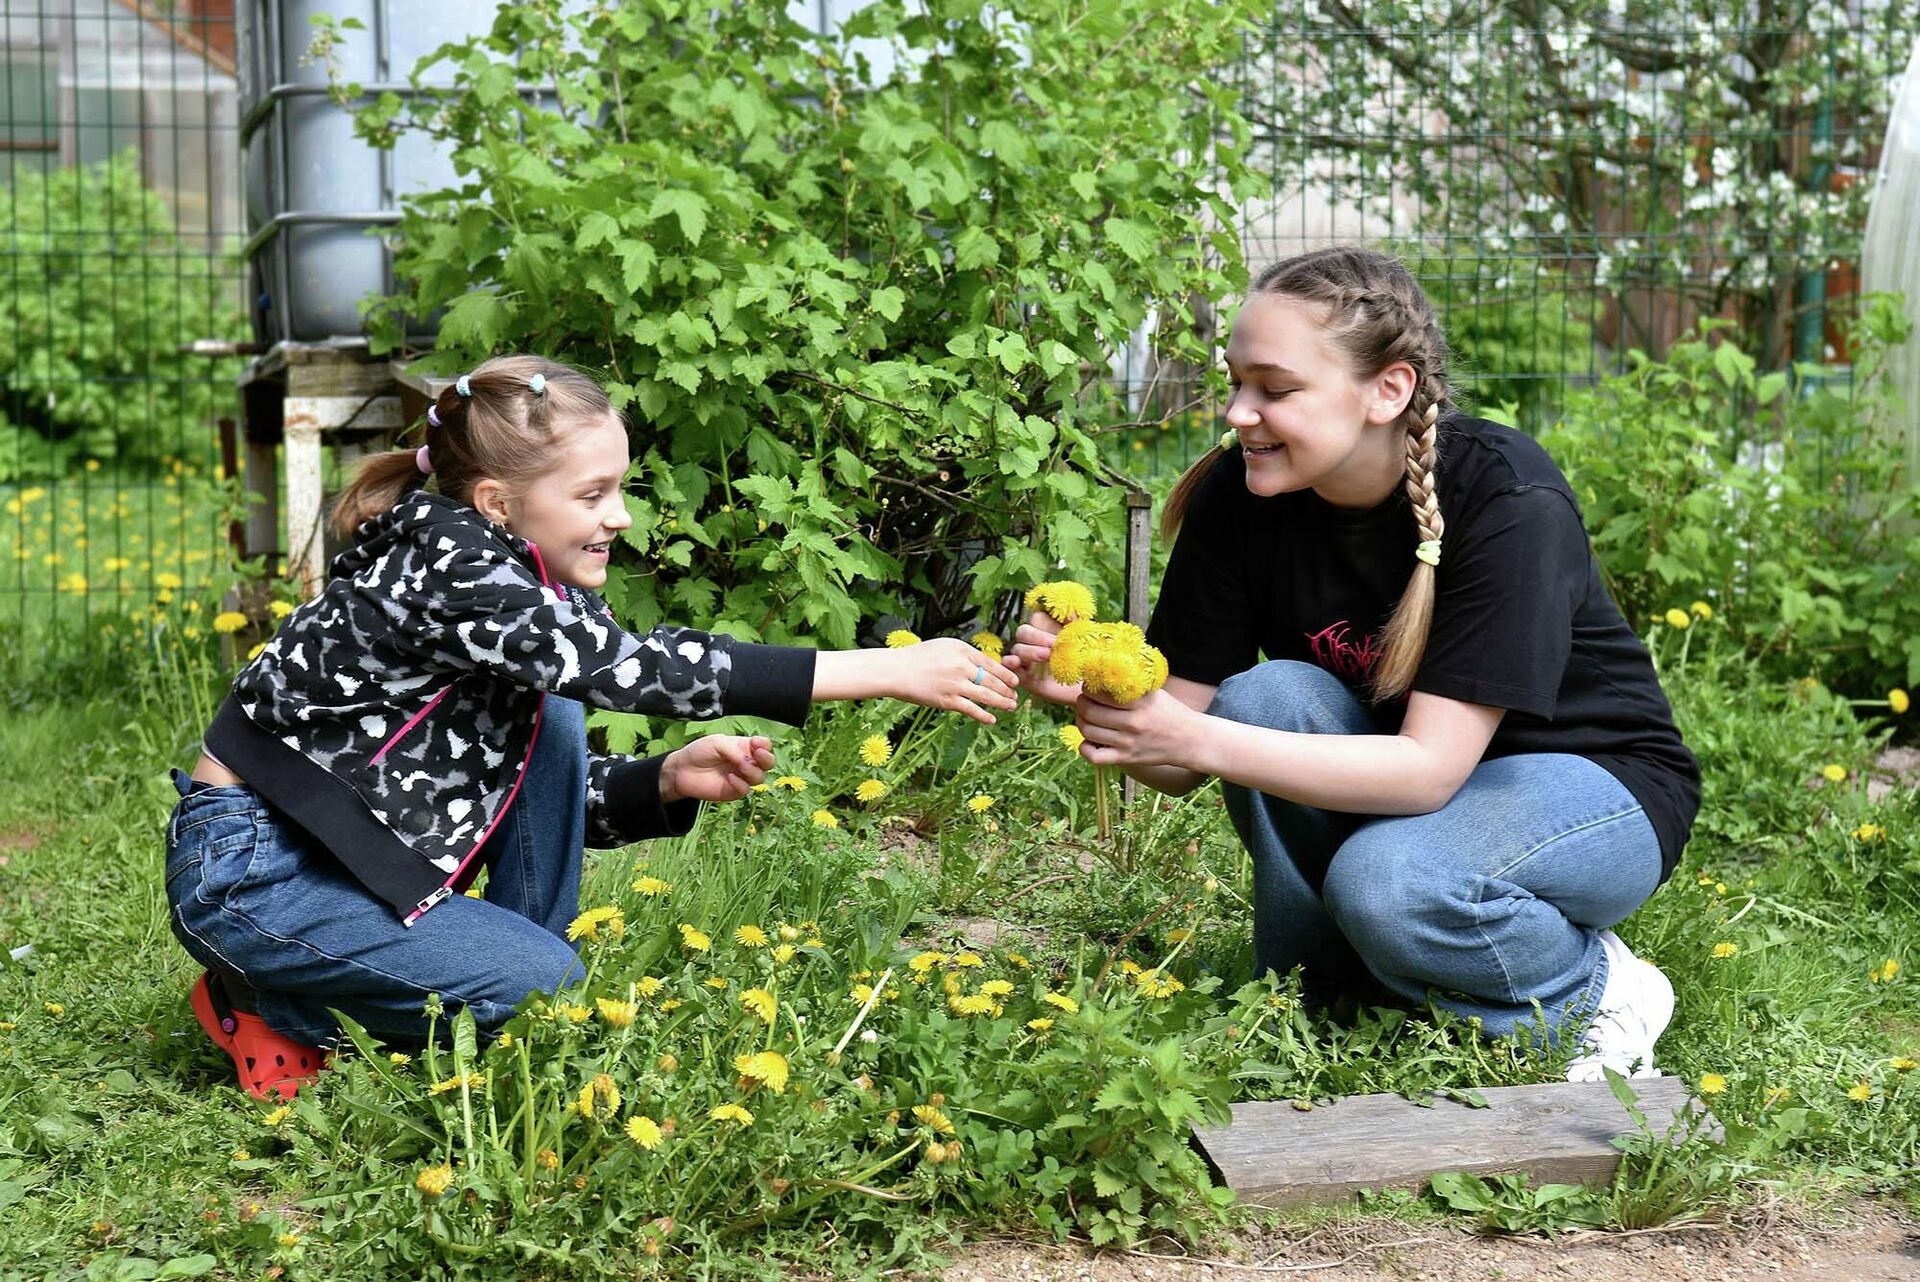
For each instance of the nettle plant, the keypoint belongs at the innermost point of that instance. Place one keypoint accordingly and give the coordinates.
(861, 323)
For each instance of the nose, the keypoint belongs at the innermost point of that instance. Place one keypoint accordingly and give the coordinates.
(1239, 412)
(619, 518)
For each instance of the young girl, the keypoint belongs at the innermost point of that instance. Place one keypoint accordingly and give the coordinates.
(421, 718)
(1455, 769)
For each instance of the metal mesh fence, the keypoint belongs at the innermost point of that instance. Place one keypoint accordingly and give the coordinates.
(120, 212)
(1572, 179)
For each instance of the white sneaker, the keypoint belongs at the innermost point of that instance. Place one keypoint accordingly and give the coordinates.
(1635, 1008)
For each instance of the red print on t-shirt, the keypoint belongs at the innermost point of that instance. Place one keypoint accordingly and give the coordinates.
(1334, 652)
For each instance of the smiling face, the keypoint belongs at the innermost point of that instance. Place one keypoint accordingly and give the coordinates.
(574, 511)
(1304, 419)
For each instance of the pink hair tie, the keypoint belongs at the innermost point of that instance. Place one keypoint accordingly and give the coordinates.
(423, 461)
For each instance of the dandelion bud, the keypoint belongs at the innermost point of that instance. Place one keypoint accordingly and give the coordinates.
(937, 1099)
(669, 1062)
(936, 1152)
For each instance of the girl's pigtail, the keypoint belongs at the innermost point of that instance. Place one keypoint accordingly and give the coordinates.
(378, 483)
(1405, 639)
(1182, 493)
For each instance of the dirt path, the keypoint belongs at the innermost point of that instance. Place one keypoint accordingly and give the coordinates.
(1873, 1245)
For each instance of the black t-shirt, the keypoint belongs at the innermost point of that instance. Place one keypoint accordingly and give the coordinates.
(1521, 620)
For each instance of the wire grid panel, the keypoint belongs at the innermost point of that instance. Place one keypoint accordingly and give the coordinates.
(122, 210)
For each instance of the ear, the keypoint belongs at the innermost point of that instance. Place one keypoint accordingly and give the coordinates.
(1390, 392)
(490, 500)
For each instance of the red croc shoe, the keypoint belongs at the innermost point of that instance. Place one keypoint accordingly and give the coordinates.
(269, 1064)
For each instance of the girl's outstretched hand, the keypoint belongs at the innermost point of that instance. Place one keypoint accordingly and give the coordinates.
(1154, 730)
(1032, 647)
(940, 674)
(716, 767)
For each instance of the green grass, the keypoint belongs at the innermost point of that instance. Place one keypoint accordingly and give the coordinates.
(123, 1144)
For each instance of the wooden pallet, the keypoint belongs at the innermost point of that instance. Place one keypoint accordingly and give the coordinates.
(1273, 1154)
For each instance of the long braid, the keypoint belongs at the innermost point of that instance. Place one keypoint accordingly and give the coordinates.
(1404, 641)
(1422, 461)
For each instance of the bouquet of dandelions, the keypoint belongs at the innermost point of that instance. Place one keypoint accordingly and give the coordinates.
(1110, 661)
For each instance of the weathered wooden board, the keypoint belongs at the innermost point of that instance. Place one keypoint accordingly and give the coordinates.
(1273, 1154)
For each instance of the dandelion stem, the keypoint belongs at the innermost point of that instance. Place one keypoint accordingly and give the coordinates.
(865, 1007)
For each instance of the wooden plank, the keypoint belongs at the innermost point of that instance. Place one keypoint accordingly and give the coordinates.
(1272, 1154)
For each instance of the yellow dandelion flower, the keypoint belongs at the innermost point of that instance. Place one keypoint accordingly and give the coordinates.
(989, 643)
(255, 652)
(1072, 737)
(1775, 1095)
(1712, 1083)
(573, 1014)
(1884, 972)
(644, 1131)
(693, 940)
(472, 1081)
(616, 1014)
(277, 1116)
(749, 936)
(900, 639)
(54, 1009)
(1702, 611)
(875, 750)
(765, 1068)
(1019, 961)
(972, 961)
(784, 953)
(228, 621)
(980, 803)
(1061, 1000)
(789, 933)
(970, 1004)
(279, 609)
(1040, 1025)
(648, 986)
(731, 1113)
(1835, 772)
(288, 1239)
(996, 989)
(1861, 1091)
(168, 581)
(1869, 832)
(241, 1155)
(1154, 984)
(1130, 967)
(1179, 936)
(1063, 600)
(1903, 1063)
(870, 791)
(759, 1001)
(792, 783)
(825, 819)
(434, 1180)
(921, 963)
(399, 1059)
(1111, 661)
(1678, 618)
(652, 887)
(670, 1005)
(933, 1119)
(589, 924)
(1724, 950)
(717, 982)
(599, 1098)
(1897, 700)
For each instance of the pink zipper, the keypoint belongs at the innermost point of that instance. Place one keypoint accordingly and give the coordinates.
(412, 721)
(445, 892)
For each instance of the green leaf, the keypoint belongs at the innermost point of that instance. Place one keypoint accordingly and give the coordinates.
(887, 301)
(974, 248)
(688, 207)
(476, 321)
(1130, 238)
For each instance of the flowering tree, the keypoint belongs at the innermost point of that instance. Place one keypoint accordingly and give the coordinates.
(1704, 153)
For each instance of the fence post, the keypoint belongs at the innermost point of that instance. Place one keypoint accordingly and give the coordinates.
(1139, 563)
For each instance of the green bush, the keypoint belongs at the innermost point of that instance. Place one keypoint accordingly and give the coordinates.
(96, 294)
(1786, 509)
(862, 330)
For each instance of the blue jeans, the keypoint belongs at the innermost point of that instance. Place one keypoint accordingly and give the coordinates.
(1485, 906)
(253, 898)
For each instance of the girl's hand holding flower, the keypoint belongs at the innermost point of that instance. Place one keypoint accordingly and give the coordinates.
(1032, 647)
(1154, 730)
(715, 767)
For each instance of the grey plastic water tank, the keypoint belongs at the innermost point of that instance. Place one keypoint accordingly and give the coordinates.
(315, 194)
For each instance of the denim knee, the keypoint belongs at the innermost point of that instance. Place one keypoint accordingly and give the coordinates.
(1285, 694)
(1389, 908)
(494, 994)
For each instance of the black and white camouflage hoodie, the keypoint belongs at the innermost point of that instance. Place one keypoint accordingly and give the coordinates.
(391, 716)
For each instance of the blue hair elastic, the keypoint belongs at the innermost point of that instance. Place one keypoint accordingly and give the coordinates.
(461, 386)
(433, 415)
(537, 385)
